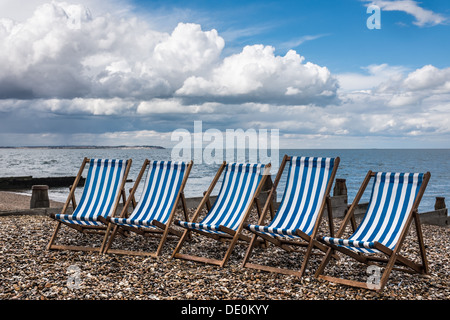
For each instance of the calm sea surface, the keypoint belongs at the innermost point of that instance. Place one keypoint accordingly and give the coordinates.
(355, 163)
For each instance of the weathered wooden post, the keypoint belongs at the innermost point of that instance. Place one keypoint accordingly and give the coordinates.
(265, 192)
(339, 199)
(340, 188)
(39, 197)
(440, 203)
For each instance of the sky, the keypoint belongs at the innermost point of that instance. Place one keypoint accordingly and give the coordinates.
(132, 72)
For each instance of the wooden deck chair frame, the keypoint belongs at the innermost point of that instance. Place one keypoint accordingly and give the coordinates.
(163, 231)
(393, 256)
(288, 245)
(85, 229)
(231, 236)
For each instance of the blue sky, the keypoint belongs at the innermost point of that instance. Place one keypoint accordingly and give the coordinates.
(337, 29)
(133, 71)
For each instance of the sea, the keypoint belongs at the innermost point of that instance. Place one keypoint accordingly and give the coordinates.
(354, 165)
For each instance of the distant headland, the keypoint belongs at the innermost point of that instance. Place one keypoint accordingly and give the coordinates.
(83, 147)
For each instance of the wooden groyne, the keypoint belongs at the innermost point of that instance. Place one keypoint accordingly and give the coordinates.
(437, 217)
(27, 182)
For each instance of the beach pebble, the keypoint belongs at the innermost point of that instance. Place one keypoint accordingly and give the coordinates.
(29, 271)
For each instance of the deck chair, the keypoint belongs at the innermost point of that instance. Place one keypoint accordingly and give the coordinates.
(104, 186)
(225, 219)
(296, 223)
(156, 207)
(392, 207)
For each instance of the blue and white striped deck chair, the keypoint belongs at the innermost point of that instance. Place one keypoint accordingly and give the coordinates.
(241, 185)
(104, 186)
(156, 207)
(392, 206)
(308, 185)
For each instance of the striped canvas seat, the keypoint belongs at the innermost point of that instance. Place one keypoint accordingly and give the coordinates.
(302, 199)
(236, 194)
(102, 186)
(393, 196)
(162, 185)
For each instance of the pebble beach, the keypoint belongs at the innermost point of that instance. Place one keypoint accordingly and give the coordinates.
(30, 272)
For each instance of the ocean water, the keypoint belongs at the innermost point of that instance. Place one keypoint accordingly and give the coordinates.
(354, 164)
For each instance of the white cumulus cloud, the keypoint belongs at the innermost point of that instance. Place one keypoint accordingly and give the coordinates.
(63, 51)
(257, 75)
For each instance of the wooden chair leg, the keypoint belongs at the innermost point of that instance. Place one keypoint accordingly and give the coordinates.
(230, 249)
(421, 243)
(162, 241)
(324, 263)
(105, 238)
(249, 250)
(111, 239)
(180, 243)
(53, 238)
(306, 258)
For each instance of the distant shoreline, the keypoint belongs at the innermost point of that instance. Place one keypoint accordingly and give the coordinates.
(84, 147)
